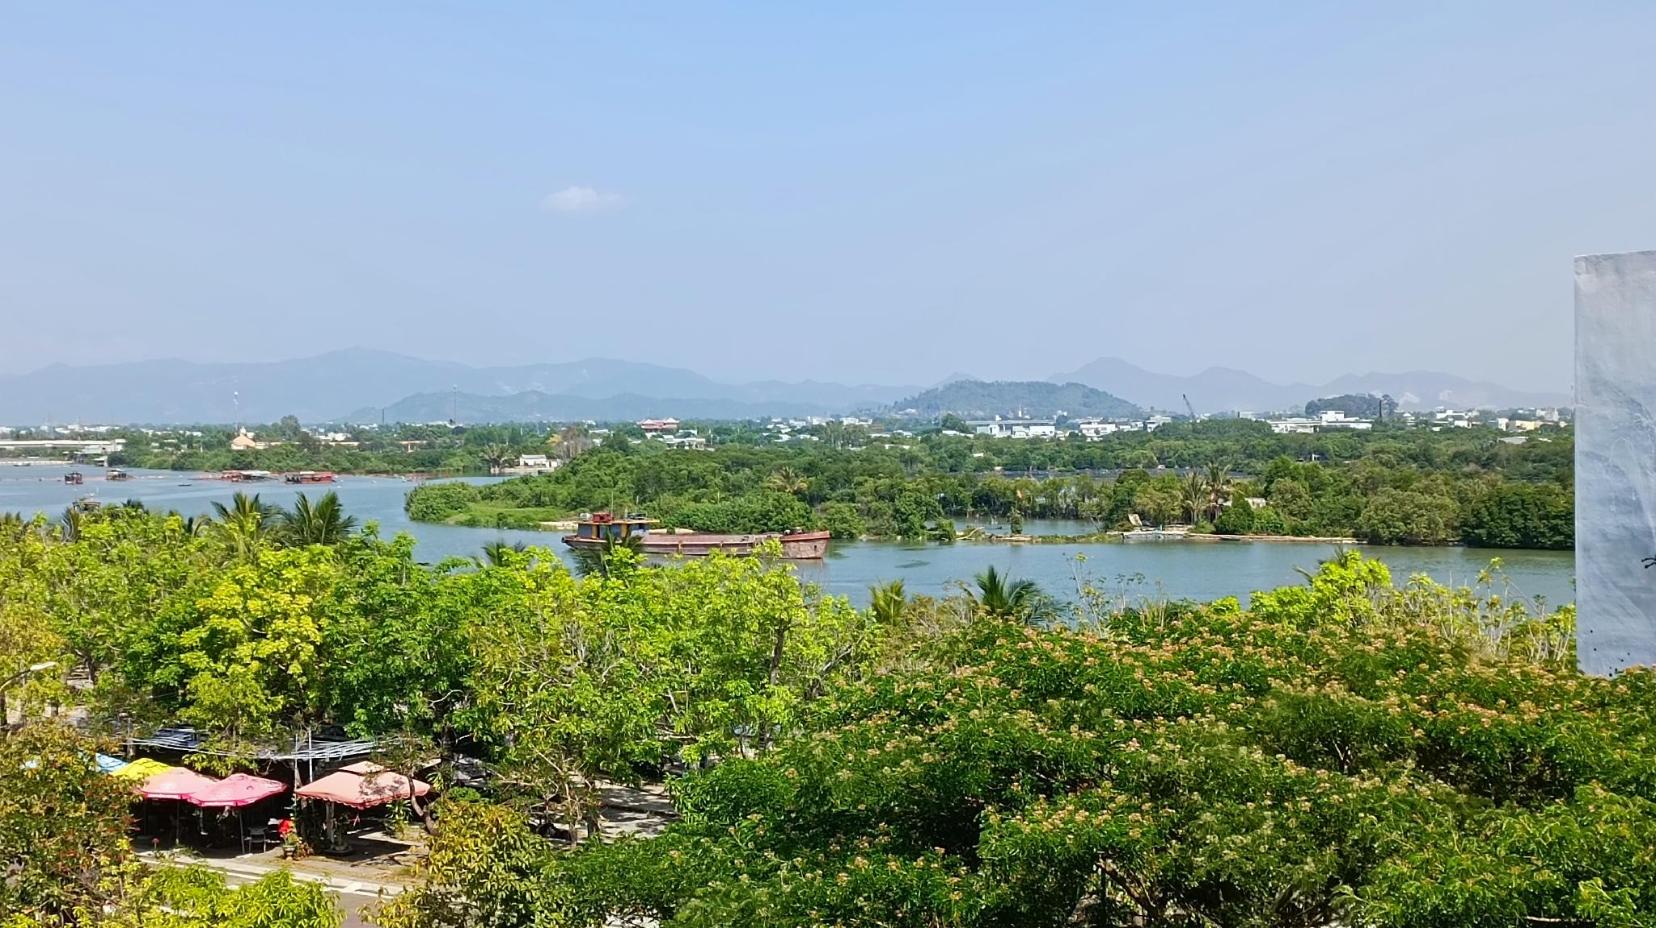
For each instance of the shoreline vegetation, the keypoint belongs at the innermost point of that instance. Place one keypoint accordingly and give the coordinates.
(1353, 749)
(1210, 481)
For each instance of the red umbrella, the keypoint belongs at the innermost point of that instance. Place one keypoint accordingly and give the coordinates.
(360, 792)
(176, 783)
(235, 791)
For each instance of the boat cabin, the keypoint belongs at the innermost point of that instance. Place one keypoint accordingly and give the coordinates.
(604, 526)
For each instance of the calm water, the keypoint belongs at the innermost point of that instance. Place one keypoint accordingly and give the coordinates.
(1169, 569)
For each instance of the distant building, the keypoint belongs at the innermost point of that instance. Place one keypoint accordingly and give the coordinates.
(1094, 429)
(1016, 428)
(244, 441)
(658, 426)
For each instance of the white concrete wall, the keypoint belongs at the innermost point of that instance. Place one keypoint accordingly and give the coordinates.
(1615, 461)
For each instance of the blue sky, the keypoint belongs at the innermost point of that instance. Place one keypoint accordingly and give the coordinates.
(873, 192)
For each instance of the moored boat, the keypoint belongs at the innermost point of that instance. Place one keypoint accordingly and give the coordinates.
(600, 529)
(115, 473)
(310, 476)
(74, 478)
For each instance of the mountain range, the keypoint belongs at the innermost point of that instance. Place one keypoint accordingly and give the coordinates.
(366, 385)
(1224, 389)
(358, 383)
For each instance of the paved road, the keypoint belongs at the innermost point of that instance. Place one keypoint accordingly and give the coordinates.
(352, 897)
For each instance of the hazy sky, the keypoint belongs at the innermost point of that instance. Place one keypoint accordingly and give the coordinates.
(862, 192)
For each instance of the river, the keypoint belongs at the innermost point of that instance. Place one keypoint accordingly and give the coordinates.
(1173, 570)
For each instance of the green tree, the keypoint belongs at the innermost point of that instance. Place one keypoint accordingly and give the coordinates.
(324, 523)
(1004, 597)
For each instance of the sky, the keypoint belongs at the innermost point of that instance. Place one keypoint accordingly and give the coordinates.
(858, 192)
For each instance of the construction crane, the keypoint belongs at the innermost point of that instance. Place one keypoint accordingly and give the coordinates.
(1191, 409)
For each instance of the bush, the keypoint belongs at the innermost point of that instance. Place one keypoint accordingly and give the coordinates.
(1514, 515)
(436, 502)
(842, 520)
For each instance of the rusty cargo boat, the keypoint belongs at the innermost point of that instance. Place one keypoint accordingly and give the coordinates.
(599, 529)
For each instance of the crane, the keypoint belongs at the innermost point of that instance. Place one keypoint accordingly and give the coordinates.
(1191, 409)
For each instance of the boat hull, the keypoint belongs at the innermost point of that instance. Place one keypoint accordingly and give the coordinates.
(798, 546)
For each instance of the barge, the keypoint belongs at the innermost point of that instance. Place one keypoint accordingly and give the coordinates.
(601, 529)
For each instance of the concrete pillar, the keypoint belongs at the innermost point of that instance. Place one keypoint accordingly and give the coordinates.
(1615, 421)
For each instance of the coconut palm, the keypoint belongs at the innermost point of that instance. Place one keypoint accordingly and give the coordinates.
(495, 553)
(69, 525)
(246, 524)
(1001, 596)
(1194, 496)
(1219, 487)
(887, 602)
(786, 480)
(495, 457)
(324, 523)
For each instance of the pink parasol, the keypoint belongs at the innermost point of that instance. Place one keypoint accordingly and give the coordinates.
(360, 792)
(176, 783)
(235, 791)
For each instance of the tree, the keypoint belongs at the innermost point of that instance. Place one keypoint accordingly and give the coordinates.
(1003, 597)
(325, 523)
(246, 525)
(1157, 501)
(887, 602)
(1196, 496)
(1282, 766)
(1408, 517)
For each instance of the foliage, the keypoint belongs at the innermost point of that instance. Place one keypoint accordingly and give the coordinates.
(67, 859)
(1317, 484)
(1521, 516)
(1340, 754)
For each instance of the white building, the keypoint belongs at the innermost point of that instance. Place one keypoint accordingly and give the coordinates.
(1094, 429)
(1016, 428)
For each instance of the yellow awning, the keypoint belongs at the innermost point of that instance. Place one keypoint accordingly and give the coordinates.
(141, 769)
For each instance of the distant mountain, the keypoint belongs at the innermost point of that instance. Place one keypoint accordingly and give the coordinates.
(536, 406)
(1038, 399)
(330, 385)
(1223, 389)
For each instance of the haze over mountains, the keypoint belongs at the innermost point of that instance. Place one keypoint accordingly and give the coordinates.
(366, 385)
(1223, 389)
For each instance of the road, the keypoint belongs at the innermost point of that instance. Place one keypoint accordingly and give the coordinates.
(352, 897)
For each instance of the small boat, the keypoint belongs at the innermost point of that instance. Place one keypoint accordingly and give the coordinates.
(74, 478)
(115, 473)
(310, 476)
(599, 529)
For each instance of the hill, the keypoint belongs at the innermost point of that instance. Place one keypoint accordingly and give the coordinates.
(536, 406)
(1039, 399)
(1224, 389)
(329, 385)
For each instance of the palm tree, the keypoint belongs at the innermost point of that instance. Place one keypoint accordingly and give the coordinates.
(598, 560)
(1219, 489)
(786, 480)
(887, 602)
(69, 526)
(1004, 597)
(495, 552)
(1194, 495)
(496, 457)
(324, 523)
(245, 524)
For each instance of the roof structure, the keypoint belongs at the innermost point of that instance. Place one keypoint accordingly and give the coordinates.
(186, 740)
